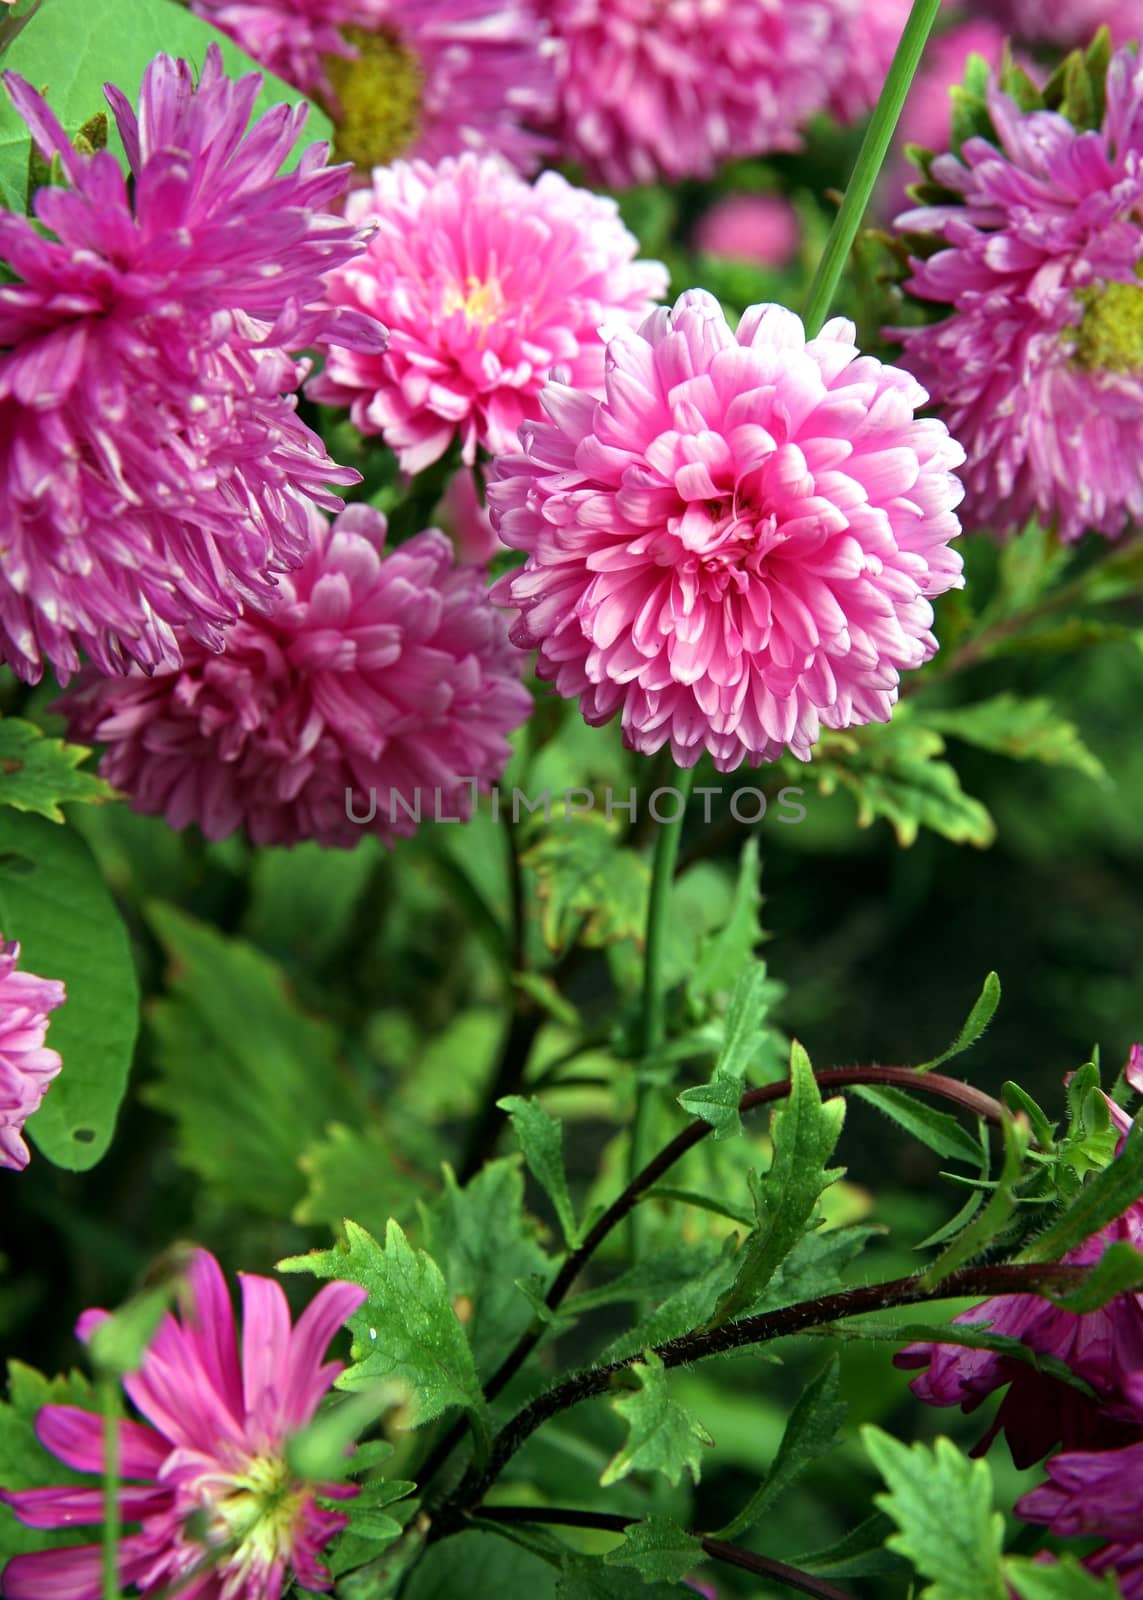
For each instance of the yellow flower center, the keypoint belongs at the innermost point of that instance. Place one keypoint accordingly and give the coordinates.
(481, 301)
(1110, 337)
(256, 1519)
(380, 95)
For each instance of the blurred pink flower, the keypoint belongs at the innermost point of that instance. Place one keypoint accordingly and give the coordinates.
(1038, 365)
(485, 282)
(425, 78)
(369, 672)
(208, 1467)
(651, 90)
(155, 473)
(762, 228)
(737, 546)
(468, 522)
(870, 45)
(26, 1065)
(1065, 22)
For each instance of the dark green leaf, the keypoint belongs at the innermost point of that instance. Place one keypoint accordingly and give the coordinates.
(25, 1464)
(1105, 1196)
(359, 1172)
(542, 1141)
(725, 953)
(860, 1553)
(659, 1550)
(478, 1564)
(975, 1023)
(41, 774)
(933, 1128)
(585, 1579)
(1025, 730)
(986, 1225)
(717, 1102)
(662, 1435)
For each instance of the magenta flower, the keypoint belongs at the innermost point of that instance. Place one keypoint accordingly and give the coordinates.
(871, 42)
(485, 283)
(155, 473)
(468, 523)
(736, 547)
(762, 228)
(1066, 22)
(652, 91)
(1038, 365)
(425, 78)
(206, 1472)
(26, 1065)
(369, 674)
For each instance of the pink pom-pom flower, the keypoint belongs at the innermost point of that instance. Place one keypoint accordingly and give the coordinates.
(370, 675)
(206, 1472)
(737, 546)
(27, 1066)
(485, 283)
(1066, 22)
(154, 473)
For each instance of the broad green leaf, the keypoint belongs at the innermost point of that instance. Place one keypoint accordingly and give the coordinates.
(41, 774)
(1105, 1196)
(892, 771)
(302, 899)
(1026, 730)
(477, 1563)
(810, 1433)
(725, 953)
(542, 1141)
(407, 1329)
(249, 1079)
(484, 1241)
(662, 1435)
(360, 1173)
(931, 1127)
(717, 1102)
(53, 901)
(25, 1464)
(1061, 1579)
(975, 1023)
(1029, 565)
(805, 1132)
(70, 48)
(590, 887)
(942, 1505)
(659, 1550)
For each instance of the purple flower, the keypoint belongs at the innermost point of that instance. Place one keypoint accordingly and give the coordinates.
(154, 472)
(26, 1065)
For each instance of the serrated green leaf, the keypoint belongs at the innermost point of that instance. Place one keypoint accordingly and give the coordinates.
(810, 1433)
(1060, 1579)
(41, 774)
(725, 953)
(815, 1266)
(662, 1435)
(717, 1101)
(1105, 1196)
(659, 1550)
(589, 886)
(110, 41)
(25, 1464)
(805, 1132)
(542, 1141)
(931, 1127)
(407, 1329)
(53, 900)
(942, 1505)
(302, 899)
(248, 1078)
(688, 1307)
(975, 1023)
(359, 1172)
(1025, 730)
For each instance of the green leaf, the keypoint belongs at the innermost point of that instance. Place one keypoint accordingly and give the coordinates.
(25, 1464)
(477, 1563)
(659, 1550)
(589, 887)
(358, 1172)
(407, 1329)
(724, 954)
(942, 1505)
(975, 1023)
(248, 1078)
(1105, 1196)
(662, 1435)
(805, 1131)
(892, 772)
(931, 1127)
(53, 900)
(41, 774)
(717, 1101)
(1026, 730)
(302, 899)
(860, 1553)
(71, 48)
(1018, 1100)
(811, 1432)
(984, 1228)
(688, 1307)
(815, 1266)
(1061, 1579)
(542, 1141)
(584, 1579)
(1118, 1271)
(119, 1343)
(485, 1242)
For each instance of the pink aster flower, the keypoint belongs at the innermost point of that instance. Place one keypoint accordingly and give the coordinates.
(26, 1065)
(207, 1469)
(736, 547)
(871, 43)
(1038, 365)
(467, 520)
(762, 228)
(155, 473)
(424, 78)
(1066, 22)
(651, 90)
(369, 675)
(485, 283)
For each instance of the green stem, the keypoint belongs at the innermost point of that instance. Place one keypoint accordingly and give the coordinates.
(870, 159)
(109, 1401)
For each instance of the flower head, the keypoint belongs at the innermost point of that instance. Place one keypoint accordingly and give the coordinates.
(762, 228)
(1038, 365)
(735, 548)
(871, 41)
(26, 1065)
(207, 1468)
(155, 474)
(651, 90)
(485, 283)
(370, 674)
(423, 78)
(1066, 22)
